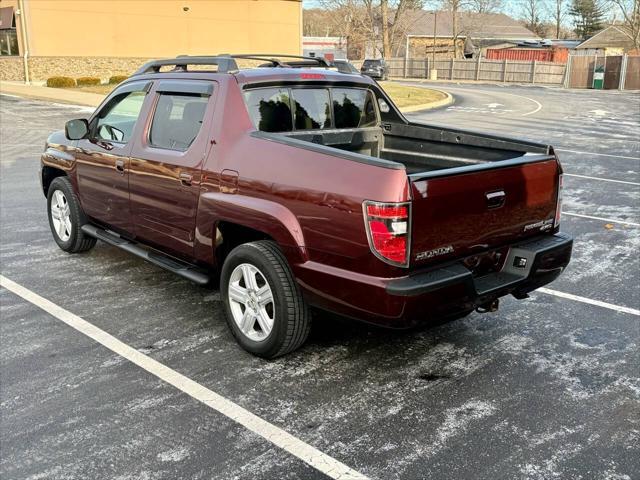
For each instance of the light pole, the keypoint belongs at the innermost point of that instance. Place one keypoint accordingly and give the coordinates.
(433, 74)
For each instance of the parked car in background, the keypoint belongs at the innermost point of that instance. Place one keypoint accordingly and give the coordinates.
(375, 68)
(298, 187)
(345, 67)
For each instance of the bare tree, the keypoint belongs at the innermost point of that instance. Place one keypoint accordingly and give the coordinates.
(531, 11)
(390, 25)
(486, 6)
(351, 19)
(558, 14)
(371, 22)
(454, 7)
(630, 11)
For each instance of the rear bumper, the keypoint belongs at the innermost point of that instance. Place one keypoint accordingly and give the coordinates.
(528, 266)
(440, 292)
(373, 74)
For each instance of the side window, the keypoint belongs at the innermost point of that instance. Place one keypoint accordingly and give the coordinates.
(312, 108)
(177, 120)
(116, 120)
(353, 108)
(270, 109)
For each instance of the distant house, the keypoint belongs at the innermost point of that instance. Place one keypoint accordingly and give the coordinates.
(475, 33)
(328, 47)
(608, 41)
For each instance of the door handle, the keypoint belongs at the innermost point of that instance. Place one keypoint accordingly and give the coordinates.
(120, 166)
(105, 145)
(186, 178)
(495, 199)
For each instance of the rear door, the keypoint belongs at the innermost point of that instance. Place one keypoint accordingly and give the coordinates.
(102, 160)
(166, 164)
(456, 215)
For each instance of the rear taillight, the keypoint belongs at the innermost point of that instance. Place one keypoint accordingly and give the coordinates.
(387, 227)
(556, 222)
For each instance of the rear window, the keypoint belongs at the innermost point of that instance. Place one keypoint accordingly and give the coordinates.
(295, 109)
(353, 108)
(270, 109)
(312, 107)
(371, 63)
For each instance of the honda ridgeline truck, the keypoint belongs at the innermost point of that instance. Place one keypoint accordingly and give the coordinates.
(295, 184)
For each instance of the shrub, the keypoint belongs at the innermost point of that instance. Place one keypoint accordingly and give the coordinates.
(117, 79)
(60, 82)
(84, 81)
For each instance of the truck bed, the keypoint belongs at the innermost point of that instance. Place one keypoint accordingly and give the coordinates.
(470, 192)
(421, 148)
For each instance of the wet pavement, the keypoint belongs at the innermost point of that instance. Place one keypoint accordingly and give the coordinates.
(545, 388)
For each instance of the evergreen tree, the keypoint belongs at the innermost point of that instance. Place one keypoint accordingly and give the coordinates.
(587, 16)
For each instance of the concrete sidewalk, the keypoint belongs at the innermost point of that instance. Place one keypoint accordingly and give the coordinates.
(57, 95)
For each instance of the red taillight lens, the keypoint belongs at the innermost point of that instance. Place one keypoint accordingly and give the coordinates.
(388, 231)
(558, 203)
(387, 211)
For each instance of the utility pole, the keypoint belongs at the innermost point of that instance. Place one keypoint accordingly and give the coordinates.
(433, 74)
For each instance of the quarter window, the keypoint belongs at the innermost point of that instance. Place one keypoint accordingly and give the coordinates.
(116, 120)
(312, 108)
(177, 120)
(270, 109)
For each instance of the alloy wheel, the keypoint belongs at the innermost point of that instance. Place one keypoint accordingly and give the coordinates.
(251, 301)
(61, 215)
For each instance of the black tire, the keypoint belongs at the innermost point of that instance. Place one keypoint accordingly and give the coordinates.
(78, 241)
(292, 319)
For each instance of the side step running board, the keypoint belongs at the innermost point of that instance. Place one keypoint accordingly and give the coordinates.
(168, 263)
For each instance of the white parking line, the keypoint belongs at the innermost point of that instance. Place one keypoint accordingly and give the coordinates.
(293, 445)
(608, 220)
(598, 303)
(594, 153)
(601, 179)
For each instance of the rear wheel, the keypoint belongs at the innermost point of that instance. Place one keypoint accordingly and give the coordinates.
(263, 304)
(66, 217)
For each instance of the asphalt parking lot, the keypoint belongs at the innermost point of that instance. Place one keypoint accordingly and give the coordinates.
(545, 388)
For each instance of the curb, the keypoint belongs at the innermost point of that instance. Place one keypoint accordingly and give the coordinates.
(448, 100)
(54, 95)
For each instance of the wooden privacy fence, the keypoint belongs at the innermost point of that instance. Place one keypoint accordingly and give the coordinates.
(547, 73)
(620, 71)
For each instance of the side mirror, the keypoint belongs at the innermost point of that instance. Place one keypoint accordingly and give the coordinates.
(76, 129)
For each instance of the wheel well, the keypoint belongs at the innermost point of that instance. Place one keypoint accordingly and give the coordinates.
(48, 174)
(229, 235)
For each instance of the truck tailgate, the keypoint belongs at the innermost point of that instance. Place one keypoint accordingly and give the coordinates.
(460, 214)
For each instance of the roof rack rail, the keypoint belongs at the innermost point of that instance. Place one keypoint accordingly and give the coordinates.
(274, 58)
(227, 63)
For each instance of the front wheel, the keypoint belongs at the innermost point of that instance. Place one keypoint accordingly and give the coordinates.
(66, 217)
(263, 304)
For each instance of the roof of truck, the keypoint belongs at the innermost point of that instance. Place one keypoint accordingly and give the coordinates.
(272, 68)
(254, 75)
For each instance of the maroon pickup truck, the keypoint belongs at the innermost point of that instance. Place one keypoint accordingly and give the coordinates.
(296, 184)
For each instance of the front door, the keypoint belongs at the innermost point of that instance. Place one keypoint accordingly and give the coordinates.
(102, 160)
(166, 165)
